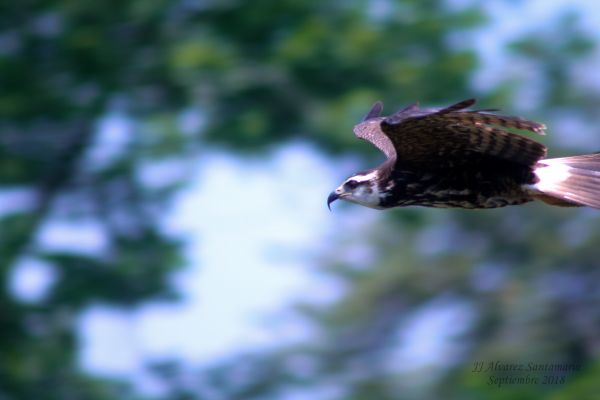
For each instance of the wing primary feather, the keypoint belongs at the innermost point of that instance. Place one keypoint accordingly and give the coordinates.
(374, 112)
(458, 110)
(457, 106)
(404, 113)
(475, 117)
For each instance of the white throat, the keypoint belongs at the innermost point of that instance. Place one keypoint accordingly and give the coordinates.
(367, 192)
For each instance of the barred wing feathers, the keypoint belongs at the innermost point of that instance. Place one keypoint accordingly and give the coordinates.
(451, 135)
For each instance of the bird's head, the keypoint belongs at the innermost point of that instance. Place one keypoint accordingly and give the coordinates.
(362, 188)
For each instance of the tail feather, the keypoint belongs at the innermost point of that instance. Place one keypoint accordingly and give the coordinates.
(574, 180)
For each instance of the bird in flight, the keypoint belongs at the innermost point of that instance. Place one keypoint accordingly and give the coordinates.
(456, 157)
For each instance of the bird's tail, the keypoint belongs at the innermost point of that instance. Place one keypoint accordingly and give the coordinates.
(569, 181)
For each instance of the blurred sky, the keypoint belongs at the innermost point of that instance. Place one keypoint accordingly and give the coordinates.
(252, 225)
(247, 221)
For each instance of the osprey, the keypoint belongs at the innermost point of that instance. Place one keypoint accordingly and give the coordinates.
(455, 157)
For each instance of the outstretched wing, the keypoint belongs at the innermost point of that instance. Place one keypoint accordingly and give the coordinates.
(450, 135)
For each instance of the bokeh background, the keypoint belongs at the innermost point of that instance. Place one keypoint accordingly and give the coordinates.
(164, 166)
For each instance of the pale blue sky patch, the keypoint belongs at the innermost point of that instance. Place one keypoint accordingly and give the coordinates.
(73, 236)
(30, 279)
(247, 221)
(113, 133)
(16, 199)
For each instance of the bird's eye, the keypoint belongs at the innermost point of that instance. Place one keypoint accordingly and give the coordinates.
(351, 184)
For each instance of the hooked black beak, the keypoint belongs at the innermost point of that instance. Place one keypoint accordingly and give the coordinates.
(333, 196)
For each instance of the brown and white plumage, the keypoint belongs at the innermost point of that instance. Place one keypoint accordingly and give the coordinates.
(420, 136)
(456, 157)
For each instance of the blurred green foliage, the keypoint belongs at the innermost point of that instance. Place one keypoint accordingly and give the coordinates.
(262, 72)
